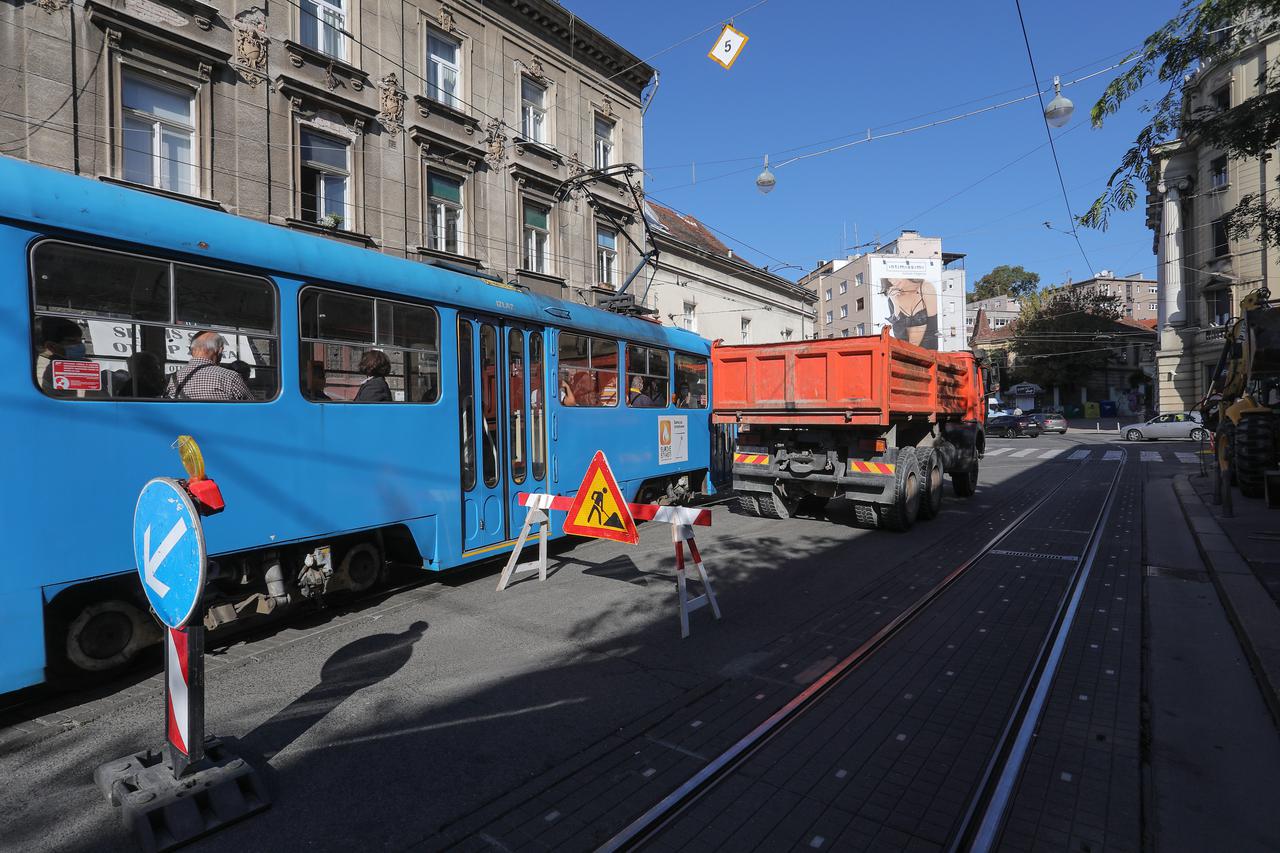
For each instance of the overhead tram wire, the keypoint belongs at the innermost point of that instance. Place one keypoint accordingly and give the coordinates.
(1057, 165)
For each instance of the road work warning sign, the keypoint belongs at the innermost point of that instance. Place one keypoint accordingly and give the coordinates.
(599, 510)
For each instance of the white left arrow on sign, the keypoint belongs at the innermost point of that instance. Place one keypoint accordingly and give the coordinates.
(151, 561)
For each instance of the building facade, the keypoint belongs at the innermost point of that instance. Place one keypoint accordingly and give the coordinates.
(434, 131)
(909, 285)
(1202, 273)
(998, 311)
(701, 285)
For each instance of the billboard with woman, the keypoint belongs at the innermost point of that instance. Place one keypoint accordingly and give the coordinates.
(905, 296)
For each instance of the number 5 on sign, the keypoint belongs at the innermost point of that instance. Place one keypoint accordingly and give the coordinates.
(728, 46)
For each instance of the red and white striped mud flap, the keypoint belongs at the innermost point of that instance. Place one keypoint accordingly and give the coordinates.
(184, 695)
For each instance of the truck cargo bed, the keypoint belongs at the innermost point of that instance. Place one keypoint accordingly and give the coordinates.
(862, 381)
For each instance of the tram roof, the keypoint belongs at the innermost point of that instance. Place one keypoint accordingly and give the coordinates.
(46, 197)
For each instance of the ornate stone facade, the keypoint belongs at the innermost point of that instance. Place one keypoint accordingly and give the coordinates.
(259, 80)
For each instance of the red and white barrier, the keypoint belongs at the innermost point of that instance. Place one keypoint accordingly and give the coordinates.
(682, 521)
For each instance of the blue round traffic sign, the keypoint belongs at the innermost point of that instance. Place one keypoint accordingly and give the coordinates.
(168, 547)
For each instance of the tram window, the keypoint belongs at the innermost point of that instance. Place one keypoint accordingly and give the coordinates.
(537, 407)
(588, 371)
(516, 411)
(489, 403)
(691, 382)
(466, 404)
(133, 318)
(207, 298)
(647, 377)
(339, 329)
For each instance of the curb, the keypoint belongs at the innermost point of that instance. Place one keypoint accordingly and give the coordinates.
(1250, 609)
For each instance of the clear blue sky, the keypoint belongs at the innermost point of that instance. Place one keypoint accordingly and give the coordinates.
(819, 70)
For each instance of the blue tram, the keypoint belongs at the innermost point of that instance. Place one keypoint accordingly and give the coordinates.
(489, 390)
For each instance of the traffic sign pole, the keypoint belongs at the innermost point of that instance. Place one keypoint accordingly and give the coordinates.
(195, 785)
(184, 697)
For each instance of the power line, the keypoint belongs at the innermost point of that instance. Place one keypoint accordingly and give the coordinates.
(1049, 133)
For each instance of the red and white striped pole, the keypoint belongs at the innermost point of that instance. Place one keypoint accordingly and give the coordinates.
(184, 696)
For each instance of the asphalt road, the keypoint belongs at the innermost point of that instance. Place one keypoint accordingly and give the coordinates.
(390, 723)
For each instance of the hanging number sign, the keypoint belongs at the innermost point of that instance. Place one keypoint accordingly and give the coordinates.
(728, 46)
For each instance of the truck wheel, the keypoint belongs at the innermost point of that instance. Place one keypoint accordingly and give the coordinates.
(931, 480)
(746, 504)
(965, 483)
(1255, 452)
(901, 513)
(865, 515)
(774, 505)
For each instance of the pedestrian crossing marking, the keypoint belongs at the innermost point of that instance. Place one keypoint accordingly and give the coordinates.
(1101, 455)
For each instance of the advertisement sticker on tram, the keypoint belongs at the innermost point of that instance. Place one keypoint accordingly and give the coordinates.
(673, 439)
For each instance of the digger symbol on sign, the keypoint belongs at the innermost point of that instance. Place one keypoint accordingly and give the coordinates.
(599, 509)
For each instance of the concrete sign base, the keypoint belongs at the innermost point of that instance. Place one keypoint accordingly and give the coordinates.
(164, 812)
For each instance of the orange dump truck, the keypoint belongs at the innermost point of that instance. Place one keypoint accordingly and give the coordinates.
(871, 419)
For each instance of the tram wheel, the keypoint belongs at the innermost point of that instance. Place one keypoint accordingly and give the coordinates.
(101, 636)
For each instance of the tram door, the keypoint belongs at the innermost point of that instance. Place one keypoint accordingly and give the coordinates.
(503, 428)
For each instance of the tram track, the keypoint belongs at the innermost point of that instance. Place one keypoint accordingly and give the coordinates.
(985, 810)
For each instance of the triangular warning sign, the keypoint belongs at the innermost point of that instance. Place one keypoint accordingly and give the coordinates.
(599, 509)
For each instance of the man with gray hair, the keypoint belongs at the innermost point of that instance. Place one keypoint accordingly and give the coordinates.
(204, 377)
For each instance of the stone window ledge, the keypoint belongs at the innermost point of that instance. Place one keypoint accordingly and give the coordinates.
(335, 233)
(429, 107)
(300, 53)
(449, 257)
(543, 277)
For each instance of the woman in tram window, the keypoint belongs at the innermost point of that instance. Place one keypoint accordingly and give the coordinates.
(376, 367)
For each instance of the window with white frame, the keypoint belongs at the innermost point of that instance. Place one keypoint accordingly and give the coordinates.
(844, 311)
(325, 179)
(444, 213)
(858, 279)
(828, 299)
(537, 237)
(533, 110)
(444, 69)
(844, 287)
(324, 26)
(688, 317)
(1152, 288)
(158, 134)
(746, 330)
(604, 143)
(606, 256)
(829, 317)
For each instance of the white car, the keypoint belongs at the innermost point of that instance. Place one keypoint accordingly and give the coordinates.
(1179, 425)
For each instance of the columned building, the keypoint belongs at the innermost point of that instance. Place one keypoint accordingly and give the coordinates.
(1202, 273)
(434, 131)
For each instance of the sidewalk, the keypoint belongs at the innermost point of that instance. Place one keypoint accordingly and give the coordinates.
(1243, 556)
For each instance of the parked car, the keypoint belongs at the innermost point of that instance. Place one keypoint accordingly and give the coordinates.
(1012, 426)
(1183, 425)
(1050, 422)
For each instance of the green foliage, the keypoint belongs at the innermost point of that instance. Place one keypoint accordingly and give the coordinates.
(1005, 280)
(1064, 336)
(1203, 32)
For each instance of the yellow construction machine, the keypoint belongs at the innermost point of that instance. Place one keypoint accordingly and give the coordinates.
(1243, 403)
